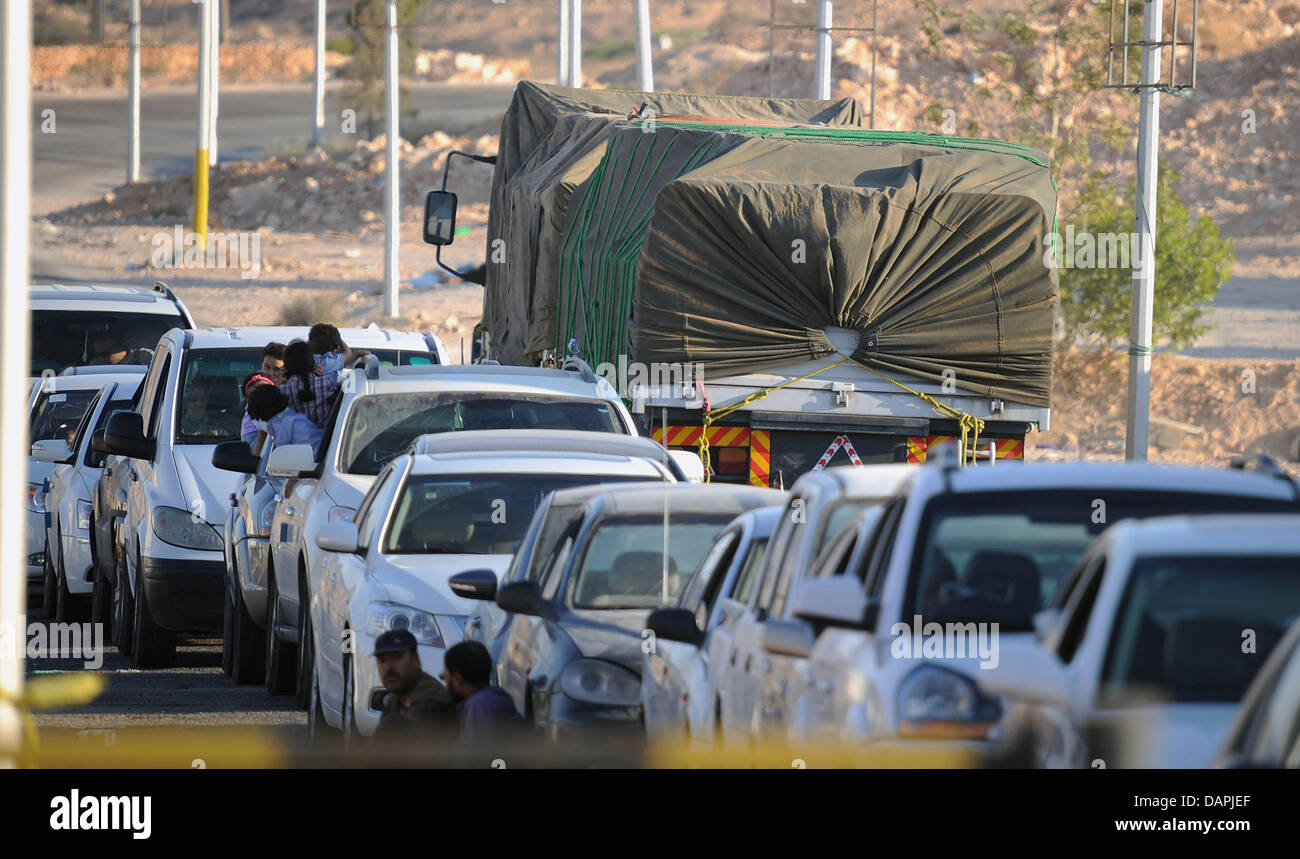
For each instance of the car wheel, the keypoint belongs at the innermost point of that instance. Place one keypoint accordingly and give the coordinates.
(51, 596)
(306, 646)
(70, 607)
(101, 602)
(319, 731)
(279, 654)
(348, 721)
(151, 645)
(248, 660)
(227, 632)
(123, 611)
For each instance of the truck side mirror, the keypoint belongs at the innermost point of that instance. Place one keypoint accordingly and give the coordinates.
(440, 218)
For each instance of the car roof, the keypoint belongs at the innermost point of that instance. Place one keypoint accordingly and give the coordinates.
(579, 441)
(102, 370)
(129, 299)
(1212, 535)
(870, 481)
(259, 335)
(533, 462)
(1112, 475)
(54, 384)
(684, 498)
(495, 377)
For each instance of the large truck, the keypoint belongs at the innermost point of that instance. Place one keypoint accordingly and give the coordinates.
(768, 283)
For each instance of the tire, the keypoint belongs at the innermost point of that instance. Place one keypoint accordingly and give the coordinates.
(351, 739)
(319, 732)
(70, 607)
(281, 657)
(227, 632)
(306, 647)
(50, 601)
(101, 603)
(123, 611)
(247, 657)
(151, 645)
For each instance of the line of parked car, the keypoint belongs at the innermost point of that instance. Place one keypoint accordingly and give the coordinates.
(1082, 611)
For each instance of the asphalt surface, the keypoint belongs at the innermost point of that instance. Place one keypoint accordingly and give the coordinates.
(85, 155)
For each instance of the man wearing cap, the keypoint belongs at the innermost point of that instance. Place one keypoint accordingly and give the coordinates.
(416, 703)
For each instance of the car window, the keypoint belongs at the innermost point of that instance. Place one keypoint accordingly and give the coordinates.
(211, 405)
(873, 560)
(1183, 624)
(59, 414)
(156, 397)
(553, 572)
(835, 558)
(558, 522)
(718, 558)
(75, 338)
(787, 532)
(94, 458)
(366, 512)
(382, 426)
(1079, 611)
(746, 587)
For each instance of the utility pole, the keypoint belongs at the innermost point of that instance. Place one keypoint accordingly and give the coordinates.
(824, 54)
(1137, 431)
(133, 97)
(562, 57)
(644, 62)
(392, 188)
(98, 19)
(15, 352)
(575, 43)
(204, 130)
(318, 89)
(214, 68)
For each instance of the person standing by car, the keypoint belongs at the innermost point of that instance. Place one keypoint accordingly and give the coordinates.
(269, 409)
(416, 703)
(485, 711)
(310, 391)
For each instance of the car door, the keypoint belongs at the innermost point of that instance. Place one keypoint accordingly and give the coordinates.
(110, 496)
(522, 650)
(143, 475)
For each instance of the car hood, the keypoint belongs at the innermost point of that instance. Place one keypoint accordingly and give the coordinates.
(613, 635)
(1170, 736)
(420, 581)
(347, 490)
(203, 483)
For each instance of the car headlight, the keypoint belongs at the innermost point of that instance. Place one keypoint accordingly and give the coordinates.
(597, 682)
(341, 514)
(181, 528)
(936, 702)
(383, 616)
(264, 520)
(84, 510)
(36, 497)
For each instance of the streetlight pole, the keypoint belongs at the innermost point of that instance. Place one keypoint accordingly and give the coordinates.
(133, 97)
(392, 208)
(644, 62)
(824, 55)
(318, 90)
(562, 55)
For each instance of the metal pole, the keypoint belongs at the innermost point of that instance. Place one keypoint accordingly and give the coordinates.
(15, 354)
(644, 62)
(822, 85)
(133, 97)
(318, 91)
(391, 187)
(1139, 360)
(575, 43)
(872, 121)
(204, 135)
(663, 433)
(562, 57)
(214, 68)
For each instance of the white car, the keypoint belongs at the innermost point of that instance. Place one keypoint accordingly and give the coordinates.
(679, 678)
(172, 548)
(458, 503)
(378, 415)
(1266, 729)
(946, 592)
(822, 504)
(55, 408)
(1154, 641)
(68, 507)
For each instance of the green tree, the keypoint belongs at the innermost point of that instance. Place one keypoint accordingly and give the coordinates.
(1192, 262)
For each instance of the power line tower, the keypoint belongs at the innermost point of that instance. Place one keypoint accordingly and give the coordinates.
(1151, 81)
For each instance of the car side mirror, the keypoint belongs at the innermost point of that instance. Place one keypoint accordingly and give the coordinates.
(52, 450)
(235, 456)
(690, 464)
(833, 601)
(124, 435)
(338, 537)
(291, 460)
(787, 637)
(674, 623)
(97, 443)
(440, 218)
(522, 598)
(474, 584)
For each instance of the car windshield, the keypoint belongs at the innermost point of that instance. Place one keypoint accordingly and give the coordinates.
(57, 415)
(1182, 629)
(473, 514)
(381, 426)
(623, 565)
(73, 338)
(211, 405)
(838, 518)
(998, 557)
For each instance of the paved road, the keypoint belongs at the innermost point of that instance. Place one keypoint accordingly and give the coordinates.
(85, 156)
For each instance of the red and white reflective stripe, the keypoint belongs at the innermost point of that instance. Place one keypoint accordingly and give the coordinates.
(841, 441)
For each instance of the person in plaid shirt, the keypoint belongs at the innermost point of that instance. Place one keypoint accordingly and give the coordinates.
(310, 392)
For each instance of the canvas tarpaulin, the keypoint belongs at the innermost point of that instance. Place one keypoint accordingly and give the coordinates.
(552, 138)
